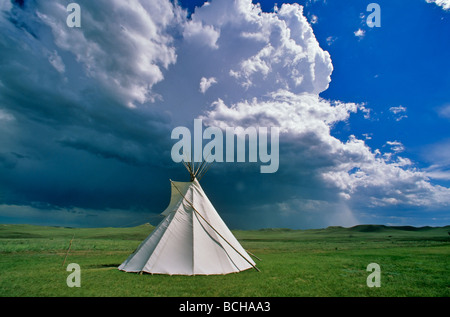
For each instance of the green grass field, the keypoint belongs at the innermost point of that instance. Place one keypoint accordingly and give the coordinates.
(326, 262)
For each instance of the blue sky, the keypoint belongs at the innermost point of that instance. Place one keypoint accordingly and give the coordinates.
(86, 113)
(403, 63)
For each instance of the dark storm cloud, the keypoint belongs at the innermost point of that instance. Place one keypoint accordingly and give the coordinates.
(69, 139)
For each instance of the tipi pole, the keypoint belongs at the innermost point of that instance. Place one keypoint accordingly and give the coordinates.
(253, 255)
(199, 168)
(204, 171)
(68, 249)
(214, 228)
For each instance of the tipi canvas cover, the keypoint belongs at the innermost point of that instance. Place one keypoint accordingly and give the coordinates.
(192, 239)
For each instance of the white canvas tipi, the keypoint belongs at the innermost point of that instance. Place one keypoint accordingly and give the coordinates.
(192, 239)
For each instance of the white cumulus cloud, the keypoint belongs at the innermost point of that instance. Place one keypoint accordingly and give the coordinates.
(120, 44)
(205, 83)
(359, 33)
(288, 57)
(267, 50)
(445, 4)
(399, 112)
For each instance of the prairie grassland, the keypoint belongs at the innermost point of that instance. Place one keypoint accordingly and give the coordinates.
(327, 262)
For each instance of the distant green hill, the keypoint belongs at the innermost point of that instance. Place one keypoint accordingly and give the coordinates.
(380, 228)
(23, 231)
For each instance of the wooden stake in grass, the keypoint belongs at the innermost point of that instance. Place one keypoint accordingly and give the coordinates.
(68, 249)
